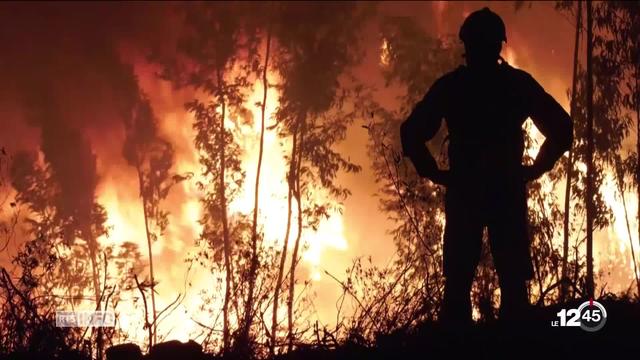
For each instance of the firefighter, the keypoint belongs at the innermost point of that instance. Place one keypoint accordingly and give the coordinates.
(485, 104)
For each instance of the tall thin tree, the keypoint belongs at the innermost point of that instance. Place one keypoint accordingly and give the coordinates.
(589, 194)
(249, 304)
(152, 157)
(296, 245)
(636, 29)
(567, 196)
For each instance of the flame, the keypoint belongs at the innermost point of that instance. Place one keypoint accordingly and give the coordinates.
(273, 189)
(612, 252)
(385, 53)
(118, 193)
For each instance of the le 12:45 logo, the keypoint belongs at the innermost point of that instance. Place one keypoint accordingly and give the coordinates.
(589, 316)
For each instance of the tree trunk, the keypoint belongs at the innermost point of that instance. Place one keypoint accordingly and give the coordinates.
(620, 179)
(296, 246)
(590, 148)
(638, 134)
(283, 256)
(149, 243)
(248, 310)
(92, 245)
(225, 223)
(567, 196)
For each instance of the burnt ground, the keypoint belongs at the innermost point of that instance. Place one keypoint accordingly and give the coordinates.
(533, 339)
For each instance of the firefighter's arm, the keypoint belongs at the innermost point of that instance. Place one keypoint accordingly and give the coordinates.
(554, 123)
(421, 126)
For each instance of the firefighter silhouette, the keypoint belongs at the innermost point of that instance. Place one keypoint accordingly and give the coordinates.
(485, 104)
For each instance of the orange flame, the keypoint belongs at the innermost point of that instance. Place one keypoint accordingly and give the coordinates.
(118, 193)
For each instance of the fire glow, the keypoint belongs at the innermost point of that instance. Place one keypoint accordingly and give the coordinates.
(181, 284)
(117, 192)
(613, 254)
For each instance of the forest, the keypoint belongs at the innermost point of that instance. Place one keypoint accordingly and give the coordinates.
(227, 179)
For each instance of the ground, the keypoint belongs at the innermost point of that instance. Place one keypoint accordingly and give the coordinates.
(531, 339)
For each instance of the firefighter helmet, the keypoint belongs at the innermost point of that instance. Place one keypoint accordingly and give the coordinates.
(483, 26)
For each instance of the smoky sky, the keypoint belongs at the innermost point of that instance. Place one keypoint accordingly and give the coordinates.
(66, 69)
(62, 72)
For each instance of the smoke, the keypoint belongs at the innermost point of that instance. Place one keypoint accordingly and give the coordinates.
(63, 74)
(68, 85)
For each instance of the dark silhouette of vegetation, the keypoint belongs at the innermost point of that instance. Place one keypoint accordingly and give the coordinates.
(43, 265)
(321, 50)
(303, 60)
(313, 117)
(152, 158)
(569, 163)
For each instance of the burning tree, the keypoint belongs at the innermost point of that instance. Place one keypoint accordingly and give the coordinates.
(78, 221)
(320, 50)
(55, 266)
(618, 22)
(219, 57)
(288, 73)
(602, 123)
(216, 55)
(152, 158)
(56, 182)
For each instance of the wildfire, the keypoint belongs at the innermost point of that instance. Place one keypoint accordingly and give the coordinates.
(180, 285)
(611, 246)
(385, 53)
(118, 193)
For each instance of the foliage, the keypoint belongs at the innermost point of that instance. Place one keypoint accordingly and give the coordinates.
(54, 268)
